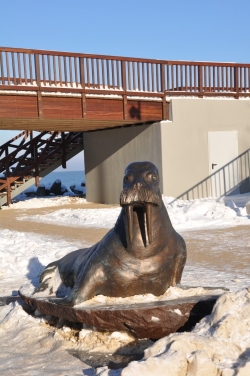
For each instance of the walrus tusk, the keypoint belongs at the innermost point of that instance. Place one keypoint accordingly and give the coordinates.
(148, 221)
(129, 215)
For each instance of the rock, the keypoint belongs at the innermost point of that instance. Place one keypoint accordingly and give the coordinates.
(144, 320)
(40, 192)
(48, 189)
(63, 189)
(56, 187)
(78, 189)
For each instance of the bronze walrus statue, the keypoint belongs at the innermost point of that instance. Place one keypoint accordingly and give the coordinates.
(141, 254)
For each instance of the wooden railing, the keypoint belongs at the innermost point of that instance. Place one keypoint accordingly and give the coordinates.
(25, 69)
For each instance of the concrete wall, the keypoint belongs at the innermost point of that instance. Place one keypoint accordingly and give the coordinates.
(178, 147)
(185, 141)
(108, 152)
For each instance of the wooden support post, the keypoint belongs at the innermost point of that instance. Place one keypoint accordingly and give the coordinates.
(164, 108)
(8, 192)
(37, 180)
(63, 150)
(83, 101)
(7, 174)
(125, 107)
(39, 104)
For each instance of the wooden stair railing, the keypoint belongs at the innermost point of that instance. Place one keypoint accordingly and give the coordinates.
(31, 155)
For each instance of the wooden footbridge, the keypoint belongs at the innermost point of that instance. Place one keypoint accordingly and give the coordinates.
(56, 96)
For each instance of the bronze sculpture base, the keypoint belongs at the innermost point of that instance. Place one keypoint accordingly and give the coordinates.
(143, 320)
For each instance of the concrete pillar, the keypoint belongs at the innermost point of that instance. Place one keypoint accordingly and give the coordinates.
(108, 152)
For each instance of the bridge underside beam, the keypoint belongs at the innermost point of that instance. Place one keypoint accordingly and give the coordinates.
(34, 112)
(62, 125)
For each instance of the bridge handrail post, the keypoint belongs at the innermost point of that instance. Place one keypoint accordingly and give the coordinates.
(236, 82)
(124, 87)
(200, 81)
(37, 70)
(163, 89)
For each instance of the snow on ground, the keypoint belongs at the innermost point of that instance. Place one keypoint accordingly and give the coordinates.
(29, 347)
(219, 342)
(23, 257)
(184, 214)
(218, 346)
(25, 202)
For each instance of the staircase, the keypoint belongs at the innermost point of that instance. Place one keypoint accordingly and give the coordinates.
(30, 156)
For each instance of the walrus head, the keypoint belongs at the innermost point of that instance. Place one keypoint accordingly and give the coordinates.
(140, 192)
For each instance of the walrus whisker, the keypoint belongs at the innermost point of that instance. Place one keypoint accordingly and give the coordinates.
(129, 215)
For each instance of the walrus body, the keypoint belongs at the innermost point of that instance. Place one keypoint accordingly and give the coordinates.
(141, 254)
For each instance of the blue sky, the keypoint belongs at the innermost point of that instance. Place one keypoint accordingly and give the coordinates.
(200, 30)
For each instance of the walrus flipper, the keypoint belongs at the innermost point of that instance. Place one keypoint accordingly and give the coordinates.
(85, 289)
(50, 268)
(179, 261)
(46, 276)
(89, 282)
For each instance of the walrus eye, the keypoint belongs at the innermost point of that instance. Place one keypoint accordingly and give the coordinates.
(127, 178)
(151, 177)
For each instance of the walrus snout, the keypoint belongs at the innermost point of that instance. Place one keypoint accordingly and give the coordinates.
(139, 197)
(137, 185)
(141, 192)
